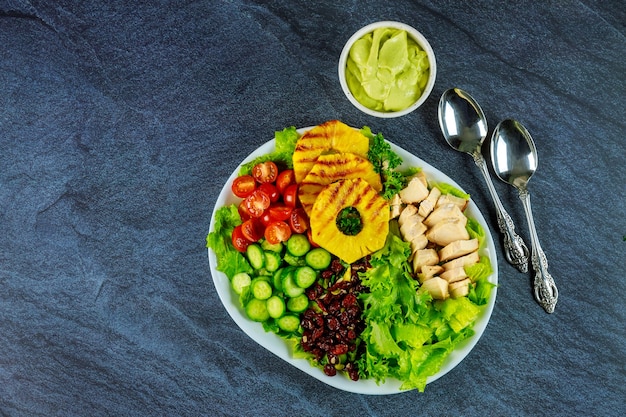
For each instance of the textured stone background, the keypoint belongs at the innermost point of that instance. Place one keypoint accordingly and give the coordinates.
(120, 123)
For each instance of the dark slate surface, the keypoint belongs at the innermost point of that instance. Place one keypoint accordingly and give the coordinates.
(120, 123)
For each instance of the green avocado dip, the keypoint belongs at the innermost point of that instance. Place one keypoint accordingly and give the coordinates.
(387, 70)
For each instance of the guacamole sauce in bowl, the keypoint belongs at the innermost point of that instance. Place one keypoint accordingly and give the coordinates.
(387, 69)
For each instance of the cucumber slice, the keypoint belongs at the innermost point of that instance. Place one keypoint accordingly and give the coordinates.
(298, 245)
(275, 306)
(318, 258)
(288, 323)
(290, 288)
(277, 279)
(255, 256)
(294, 260)
(256, 310)
(240, 281)
(298, 304)
(305, 276)
(272, 261)
(266, 246)
(261, 289)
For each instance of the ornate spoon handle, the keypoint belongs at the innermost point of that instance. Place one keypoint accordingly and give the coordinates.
(546, 292)
(515, 250)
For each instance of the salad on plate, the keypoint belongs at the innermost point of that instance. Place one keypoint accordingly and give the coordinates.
(352, 259)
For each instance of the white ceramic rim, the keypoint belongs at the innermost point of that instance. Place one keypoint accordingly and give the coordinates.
(422, 42)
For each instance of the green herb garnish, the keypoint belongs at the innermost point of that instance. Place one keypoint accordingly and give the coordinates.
(349, 221)
(385, 160)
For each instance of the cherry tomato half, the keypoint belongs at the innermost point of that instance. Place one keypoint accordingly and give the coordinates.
(243, 212)
(266, 219)
(309, 234)
(271, 190)
(277, 232)
(253, 229)
(239, 240)
(243, 186)
(265, 172)
(290, 195)
(279, 212)
(299, 221)
(256, 203)
(284, 179)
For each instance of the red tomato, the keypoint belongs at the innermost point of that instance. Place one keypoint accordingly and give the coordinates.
(279, 212)
(266, 219)
(284, 179)
(290, 195)
(239, 240)
(309, 234)
(299, 221)
(277, 232)
(243, 186)
(256, 203)
(243, 212)
(271, 190)
(265, 172)
(252, 229)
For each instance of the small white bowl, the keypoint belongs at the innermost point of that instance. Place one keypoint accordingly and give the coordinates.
(417, 37)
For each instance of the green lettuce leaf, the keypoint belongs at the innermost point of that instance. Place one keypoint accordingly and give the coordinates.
(285, 144)
(478, 273)
(475, 231)
(229, 260)
(446, 188)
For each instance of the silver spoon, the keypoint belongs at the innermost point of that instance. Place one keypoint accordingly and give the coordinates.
(464, 127)
(514, 159)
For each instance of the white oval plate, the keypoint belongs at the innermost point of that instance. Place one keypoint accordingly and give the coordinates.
(277, 346)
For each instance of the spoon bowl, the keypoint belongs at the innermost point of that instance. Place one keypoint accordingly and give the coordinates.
(462, 121)
(514, 158)
(464, 127)
(514, 155)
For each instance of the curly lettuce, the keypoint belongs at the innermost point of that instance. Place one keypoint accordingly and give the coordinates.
(229, 260)
(409, 335)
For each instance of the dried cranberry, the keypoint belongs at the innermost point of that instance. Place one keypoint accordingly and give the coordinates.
(340, 349)
(353, 311)
(349, 300)
(330, 370)
(334, 307)
(333, 324)
(336, 266)
(314, 291)
(352, 370)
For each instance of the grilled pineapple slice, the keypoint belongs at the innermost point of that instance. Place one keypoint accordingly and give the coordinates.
(334, 167)
(374, 219)
(330, 137)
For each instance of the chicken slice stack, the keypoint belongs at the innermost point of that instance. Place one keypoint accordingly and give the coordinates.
(434, 225)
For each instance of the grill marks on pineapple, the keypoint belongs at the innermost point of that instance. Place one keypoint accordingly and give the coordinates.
(374, 211)
(329, 137)
(330, 168)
